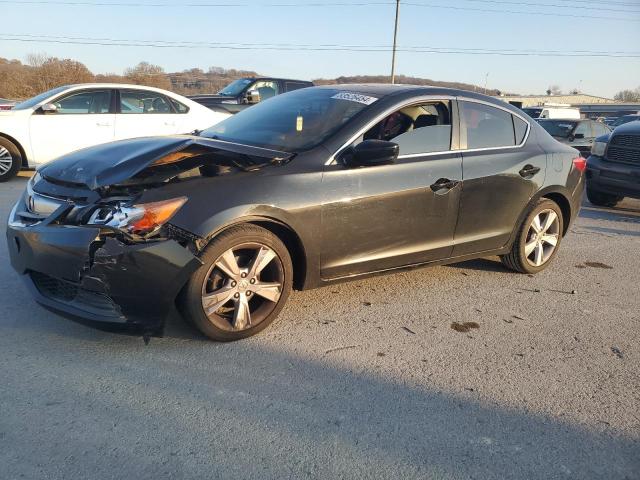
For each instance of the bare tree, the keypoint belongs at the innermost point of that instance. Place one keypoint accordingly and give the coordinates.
(628, 95)
(147, 74)
(554, 90)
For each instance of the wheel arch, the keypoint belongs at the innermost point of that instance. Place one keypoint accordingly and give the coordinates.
(286, 234)
(565, 207)
(555, 194)
(23, 153)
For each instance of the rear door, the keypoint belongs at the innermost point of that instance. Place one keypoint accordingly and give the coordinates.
(143, 113)
(501, 172)
(83, 118)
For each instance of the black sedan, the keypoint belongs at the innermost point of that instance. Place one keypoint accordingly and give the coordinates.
(311, 187)
(579, 134)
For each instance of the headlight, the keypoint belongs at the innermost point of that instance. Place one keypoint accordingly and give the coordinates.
(598, 148)
(141, 219)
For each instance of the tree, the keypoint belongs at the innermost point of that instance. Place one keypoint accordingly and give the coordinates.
(628, 95)
(554, 90)
(50, 72)
(147, 74)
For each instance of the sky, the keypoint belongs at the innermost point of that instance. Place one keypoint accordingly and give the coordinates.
(580, 26)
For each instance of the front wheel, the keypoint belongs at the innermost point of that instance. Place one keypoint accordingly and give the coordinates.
(538, 239)
(242, 285)
(602, 199)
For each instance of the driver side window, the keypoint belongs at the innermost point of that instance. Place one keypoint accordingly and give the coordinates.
(424, 128)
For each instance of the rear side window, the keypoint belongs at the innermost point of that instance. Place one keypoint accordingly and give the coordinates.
(486, 126)
(291, 86)
(180, 108)
(143, 101)
(520, 127)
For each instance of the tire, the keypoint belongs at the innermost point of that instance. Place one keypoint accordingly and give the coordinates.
(240, 300)
(10, 160)
(522, 258)
(602, 199)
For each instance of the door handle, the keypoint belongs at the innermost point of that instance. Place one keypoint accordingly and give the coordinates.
(444, 185)
(528, 171)
(103, 124)
(170, 124)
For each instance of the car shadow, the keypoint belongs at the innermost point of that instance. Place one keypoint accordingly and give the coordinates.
(256, 409)
(482, 264)
(615, 214)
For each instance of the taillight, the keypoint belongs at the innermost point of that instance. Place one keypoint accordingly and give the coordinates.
(580, 163)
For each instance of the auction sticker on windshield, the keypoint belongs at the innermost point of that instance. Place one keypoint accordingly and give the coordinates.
(355, 97)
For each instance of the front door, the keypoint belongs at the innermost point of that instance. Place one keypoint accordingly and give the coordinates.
(82, 119)
(386, 216)
(501, 173)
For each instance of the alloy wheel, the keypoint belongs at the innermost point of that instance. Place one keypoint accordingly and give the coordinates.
(542, 238)
(6, 160)
(242, 287)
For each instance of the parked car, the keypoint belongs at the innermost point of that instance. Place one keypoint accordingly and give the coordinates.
(613, 169)
(315, 186)
(68, 118)
(610, 121)
(6, 104)
(552, 112)
(579, 134)
(625, 119)
(244, 92)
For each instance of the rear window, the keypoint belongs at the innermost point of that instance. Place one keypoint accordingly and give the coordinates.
(558, 128)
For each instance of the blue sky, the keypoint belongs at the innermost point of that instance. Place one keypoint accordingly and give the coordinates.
(351, 25)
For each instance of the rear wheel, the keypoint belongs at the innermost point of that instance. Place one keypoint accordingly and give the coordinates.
(242, 286)
(10, 160)
(603, 199)
(538, 239)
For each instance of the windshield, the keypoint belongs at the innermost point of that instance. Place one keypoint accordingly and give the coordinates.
(235, 88)
(292, 122)
(532, 112)
(558, 128)
(33, 101)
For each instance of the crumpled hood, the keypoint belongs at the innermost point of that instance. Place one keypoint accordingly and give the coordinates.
(116, 162)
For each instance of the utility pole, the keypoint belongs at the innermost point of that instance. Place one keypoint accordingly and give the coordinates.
(395, 38)
(486, 79)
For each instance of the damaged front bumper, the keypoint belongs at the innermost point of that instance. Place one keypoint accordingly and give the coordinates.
(78, 273)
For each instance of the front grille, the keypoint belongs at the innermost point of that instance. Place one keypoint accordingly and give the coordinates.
(624, 149)
(72, 294)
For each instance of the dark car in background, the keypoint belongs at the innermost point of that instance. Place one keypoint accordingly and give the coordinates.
(625, 119)
(244, 92)
(315, 186)
(579, 134)
(613, 169)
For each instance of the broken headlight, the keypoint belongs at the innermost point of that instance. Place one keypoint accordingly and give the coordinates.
(141, 219)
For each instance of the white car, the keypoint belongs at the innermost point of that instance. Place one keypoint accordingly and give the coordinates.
(69, 118)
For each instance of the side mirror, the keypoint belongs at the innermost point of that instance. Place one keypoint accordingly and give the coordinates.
(49, 108)
(253, 96)
(372, 152)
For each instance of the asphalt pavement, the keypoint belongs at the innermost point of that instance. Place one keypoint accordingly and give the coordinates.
(456, 372)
